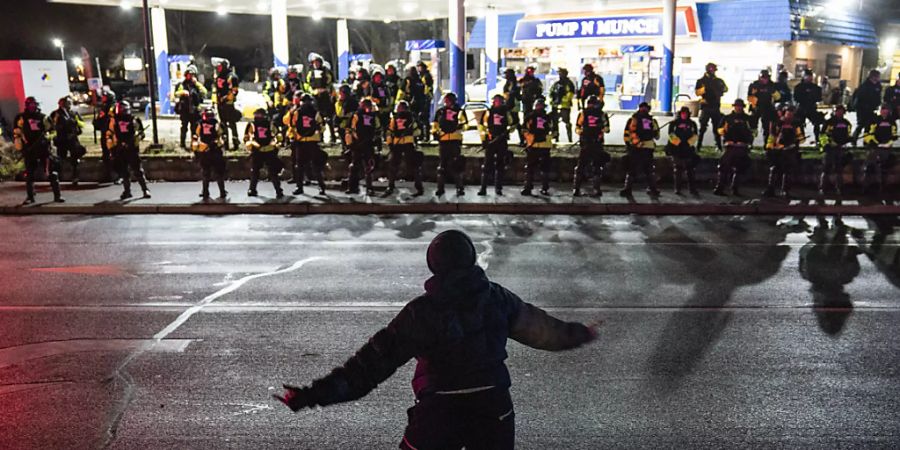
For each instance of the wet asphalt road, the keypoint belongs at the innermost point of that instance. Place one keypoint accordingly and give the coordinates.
(746, 332)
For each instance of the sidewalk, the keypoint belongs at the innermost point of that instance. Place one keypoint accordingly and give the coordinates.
(182, 198)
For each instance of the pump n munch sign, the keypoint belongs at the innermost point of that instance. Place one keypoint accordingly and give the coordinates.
(613, 26)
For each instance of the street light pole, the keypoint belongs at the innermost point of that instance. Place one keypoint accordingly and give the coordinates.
(150, 56)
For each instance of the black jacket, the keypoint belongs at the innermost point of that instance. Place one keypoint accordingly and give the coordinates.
(867, 96)
(457, 332)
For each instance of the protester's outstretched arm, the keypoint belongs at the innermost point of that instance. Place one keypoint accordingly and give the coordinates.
(535, 328)
(389, 349)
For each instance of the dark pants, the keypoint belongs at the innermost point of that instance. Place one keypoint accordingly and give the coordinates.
(814, 117)
(325, 106)
(836, 158)
(127, 161)
(640, 160)
(537, 158)
(273, 166)
(362, 162)
(564, 115)
(879, 161)
(763, 117)
(864, 119)
(707, 115)
(591, 160)
(188, 125)
(684, 160)
(422, 110)
(106, 159)
(277, 114)
(72, 151)
(479, 421)
(35, 164)
(413, 158)
(212, 164)
(494, 165)
(783, 164)
(451, 163)
(732, 164)
(307, 156)
(230, 117)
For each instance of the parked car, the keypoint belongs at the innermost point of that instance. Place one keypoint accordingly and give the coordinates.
(477, 90)
(138, 96)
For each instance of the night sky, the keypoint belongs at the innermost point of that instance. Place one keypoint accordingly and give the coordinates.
(27, 27)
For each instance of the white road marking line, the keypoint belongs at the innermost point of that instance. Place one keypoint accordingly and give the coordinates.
(235, 285)
(14, 355)
(483, 257)
(121, 374)
(251, 408)
(528, 242)
(396, 306)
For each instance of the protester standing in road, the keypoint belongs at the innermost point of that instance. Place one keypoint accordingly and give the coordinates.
(457, 331)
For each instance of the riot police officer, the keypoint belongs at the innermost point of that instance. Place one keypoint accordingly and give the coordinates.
(531, 88)
(262, 143)
(865, 101)
(293, 83)
(496, 125)
(225, 92)
(513, 95)
(103, 110)
(381, 96)
(591, 84)
(539, 132)
(710, 89)
(592, 125)
(783, 151)
(30, 129)
(448, 126)
(784, 91)
(125, 132)
(320, 83)
(361, 136)
(412, 90)
(189, 96)
(402, 130)
(392, 77)
(808, 95)
(641, 132)
(835, 138)
(207, 146)
(362, 85)
(682, 149)
(892, 98)
(562, 92)
(737, 132)
(762, 96)
(428, 83)
(277, 102)
(879, 139)
(68, 125)
(345, 106)
(304, 126)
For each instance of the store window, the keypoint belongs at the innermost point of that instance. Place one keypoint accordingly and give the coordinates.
(833, 66)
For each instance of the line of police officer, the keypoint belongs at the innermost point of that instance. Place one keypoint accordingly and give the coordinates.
(33, 133)
(382, 107)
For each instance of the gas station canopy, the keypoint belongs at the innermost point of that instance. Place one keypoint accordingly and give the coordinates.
(377, 9)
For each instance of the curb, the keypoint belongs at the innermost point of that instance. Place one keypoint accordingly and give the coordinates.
(651, 209)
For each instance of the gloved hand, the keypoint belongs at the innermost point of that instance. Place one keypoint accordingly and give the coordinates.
(295, 398)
